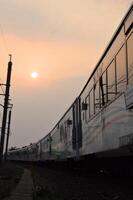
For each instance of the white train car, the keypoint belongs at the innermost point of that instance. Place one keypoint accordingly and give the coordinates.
(107, 98)
(26, 153)
(57, 145)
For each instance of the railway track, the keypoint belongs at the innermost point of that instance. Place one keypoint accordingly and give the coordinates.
(60, 184)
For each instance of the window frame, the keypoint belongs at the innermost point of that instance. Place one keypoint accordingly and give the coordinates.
(88, 107)
(126, 43)
(126, 68)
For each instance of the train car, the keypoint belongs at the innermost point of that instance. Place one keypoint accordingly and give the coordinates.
(18, 154)
(102, 115)
(107, 98)
(57, 145)
(26, 153)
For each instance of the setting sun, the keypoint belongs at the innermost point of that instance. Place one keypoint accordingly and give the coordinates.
(34, 75)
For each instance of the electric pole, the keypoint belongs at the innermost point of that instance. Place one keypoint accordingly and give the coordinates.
(8, 133)
(7, 93)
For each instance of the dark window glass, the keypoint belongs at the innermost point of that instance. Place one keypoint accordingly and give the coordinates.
(121, 69)
(97, 98)
(61, 133)
(103, 89)
(130, 58)
(91, 103)
(87, 111)
(65, 131)
(111, 81)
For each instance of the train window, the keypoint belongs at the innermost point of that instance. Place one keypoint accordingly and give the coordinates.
(130, 58)
(97, 98)
(129, 23)
(68, 127)
(111, 83)
(103, 89)
(65, 132)
(91, 102)
(87, 111)
(47, 142)
(61, 132)
(121, 69)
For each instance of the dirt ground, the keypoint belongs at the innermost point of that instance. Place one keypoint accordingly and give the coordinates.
(54, 184)
(10, 175)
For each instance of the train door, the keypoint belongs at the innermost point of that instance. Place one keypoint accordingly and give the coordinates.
(77, 127)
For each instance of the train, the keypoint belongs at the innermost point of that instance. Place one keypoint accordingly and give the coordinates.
(100, 120)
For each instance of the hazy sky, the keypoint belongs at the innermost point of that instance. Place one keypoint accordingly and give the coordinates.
(60, 39)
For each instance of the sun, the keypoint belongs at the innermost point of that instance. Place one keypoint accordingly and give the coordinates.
(34, 75)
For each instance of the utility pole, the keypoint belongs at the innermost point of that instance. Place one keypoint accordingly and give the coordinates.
(7, 93)
(8, 133)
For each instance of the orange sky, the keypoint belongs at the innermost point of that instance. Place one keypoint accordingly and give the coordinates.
(62, 41)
